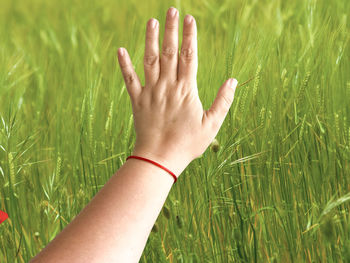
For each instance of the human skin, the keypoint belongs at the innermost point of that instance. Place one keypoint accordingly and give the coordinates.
(172, 128)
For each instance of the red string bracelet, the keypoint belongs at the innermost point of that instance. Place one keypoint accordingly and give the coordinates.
(157, 164)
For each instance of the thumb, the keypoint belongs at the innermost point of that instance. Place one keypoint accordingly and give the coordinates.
(222, 103)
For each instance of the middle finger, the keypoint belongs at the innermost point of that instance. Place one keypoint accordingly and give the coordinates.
(169, 57)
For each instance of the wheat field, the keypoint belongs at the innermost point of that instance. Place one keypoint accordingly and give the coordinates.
(274, 187)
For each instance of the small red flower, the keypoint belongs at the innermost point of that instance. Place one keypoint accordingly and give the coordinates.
(3, 216)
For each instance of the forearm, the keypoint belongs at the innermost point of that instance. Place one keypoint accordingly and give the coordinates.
(115, 225)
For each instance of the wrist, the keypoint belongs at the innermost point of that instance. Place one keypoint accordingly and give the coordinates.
(174, 162)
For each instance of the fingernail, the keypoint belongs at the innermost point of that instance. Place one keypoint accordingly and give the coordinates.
(233, 83)
(154, 23)
(172, 12)
(121, 51)
(188, 19)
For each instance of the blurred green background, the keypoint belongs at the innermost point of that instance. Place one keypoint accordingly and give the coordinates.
(275, 186)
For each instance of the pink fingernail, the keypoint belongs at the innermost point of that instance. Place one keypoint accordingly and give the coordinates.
(188, 19)
(233, 83)
(121, 51)
(172, 12)
(154, 23)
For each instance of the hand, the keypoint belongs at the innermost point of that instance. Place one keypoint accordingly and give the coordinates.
(171, 126)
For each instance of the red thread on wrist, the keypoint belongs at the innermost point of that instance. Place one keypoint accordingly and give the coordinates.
(157, 164)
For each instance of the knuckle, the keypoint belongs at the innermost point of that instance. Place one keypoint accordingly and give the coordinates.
(150, 60)
(139, 104)
(123, 66)
(174, 95)
(186, 87)
(149, 37)
(188, 34)
(169, 52)
(129, 78)
(158, 98)
(143, 100)
(226, 102)
(187, 54)
(171, 26)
